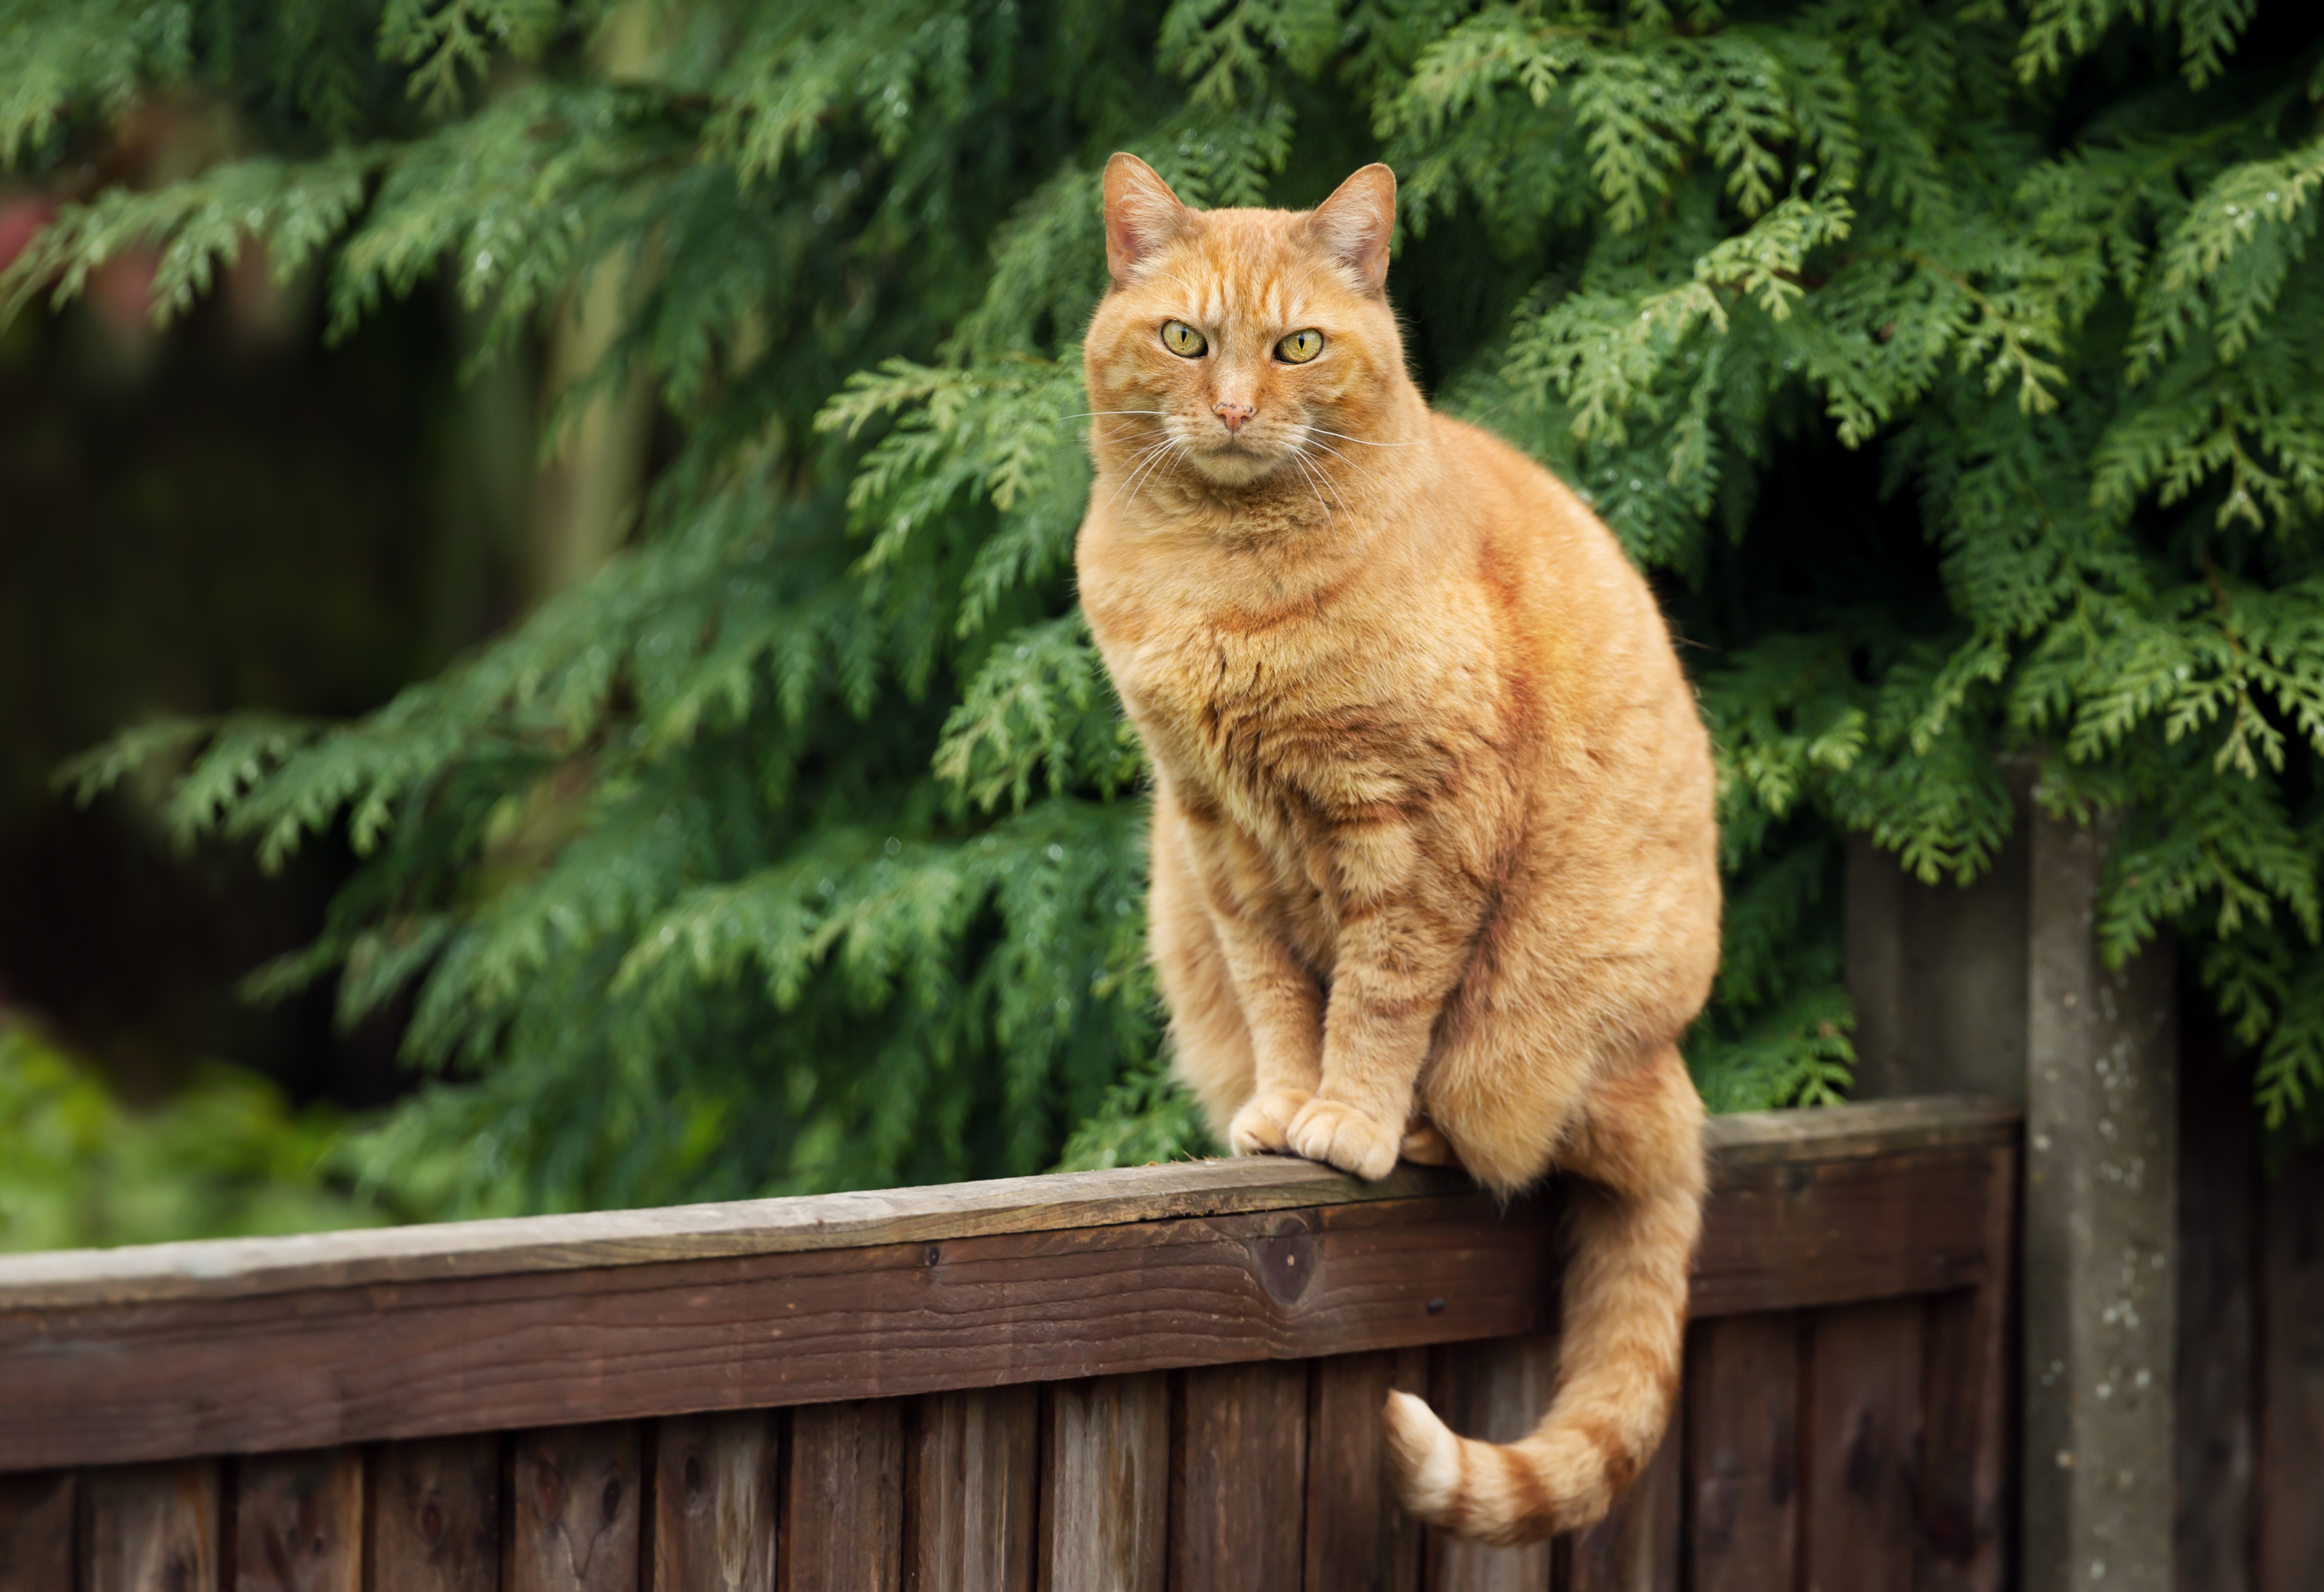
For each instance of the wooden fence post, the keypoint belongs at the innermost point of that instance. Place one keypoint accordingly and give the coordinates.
(1937, 976)
(1999, 989)
(2101, 1218)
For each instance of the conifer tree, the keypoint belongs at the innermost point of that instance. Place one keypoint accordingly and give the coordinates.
(1951, 365)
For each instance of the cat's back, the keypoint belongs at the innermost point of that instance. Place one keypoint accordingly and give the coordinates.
(1569, 596)
(1618, 760)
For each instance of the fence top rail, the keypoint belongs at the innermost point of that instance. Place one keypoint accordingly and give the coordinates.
(75, 1279)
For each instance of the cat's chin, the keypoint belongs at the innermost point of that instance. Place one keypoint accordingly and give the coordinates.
(1237, 464)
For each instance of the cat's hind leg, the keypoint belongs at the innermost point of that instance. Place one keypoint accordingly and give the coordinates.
(1424, 1145)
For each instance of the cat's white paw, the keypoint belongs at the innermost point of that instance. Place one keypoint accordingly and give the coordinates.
(1339, 1134)
(1263, 1127)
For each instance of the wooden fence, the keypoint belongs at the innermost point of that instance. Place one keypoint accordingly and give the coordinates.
(1165, 1377)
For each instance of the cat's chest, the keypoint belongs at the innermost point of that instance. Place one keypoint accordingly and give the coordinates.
(1272, 734)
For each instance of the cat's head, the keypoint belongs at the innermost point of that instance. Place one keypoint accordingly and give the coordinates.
(1243, 338)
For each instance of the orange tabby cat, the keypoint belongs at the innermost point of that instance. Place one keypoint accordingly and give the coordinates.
(1433, 843)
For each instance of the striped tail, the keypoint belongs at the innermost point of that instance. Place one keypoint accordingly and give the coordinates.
(1618, 1374)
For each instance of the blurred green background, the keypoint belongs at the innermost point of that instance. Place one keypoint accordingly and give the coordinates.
(220, 515)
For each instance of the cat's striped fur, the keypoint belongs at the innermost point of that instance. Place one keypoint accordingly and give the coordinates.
(1433, 855)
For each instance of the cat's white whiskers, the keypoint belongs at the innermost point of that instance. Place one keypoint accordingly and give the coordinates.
(1157, 432)
(1140, 461)
(1360, 441)
(1138, 465)
(1351, 464)
(1309, 472)
(1308, 469)
(1335, 485)
(1153, 456)
(1171, 456)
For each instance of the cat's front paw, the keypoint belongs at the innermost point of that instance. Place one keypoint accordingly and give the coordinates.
(1263, 1127)
(1342, 1136)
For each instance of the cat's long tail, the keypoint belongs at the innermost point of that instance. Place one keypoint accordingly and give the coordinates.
(1625, 1323)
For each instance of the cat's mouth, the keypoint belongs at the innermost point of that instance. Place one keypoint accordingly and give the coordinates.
(1236, 461)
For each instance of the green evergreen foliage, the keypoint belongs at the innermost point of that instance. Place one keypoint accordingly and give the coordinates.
(1949, 363)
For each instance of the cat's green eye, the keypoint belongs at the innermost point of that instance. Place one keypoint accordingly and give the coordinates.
(1183, 340)
(1299, 348)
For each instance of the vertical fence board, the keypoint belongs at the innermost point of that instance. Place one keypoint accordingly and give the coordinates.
(298, 1522)
(1636, 1548)
(574, 1509)
(971, 1487)
(432, 1516)
(1742, 1440)
(1106, 1480)
(2218, 1265)
(1237, 1477)
(714, 1503)
(2291, 1382)
(154, 1528)
(1961, 1525)
(1496, 1391)
(1358, 1538)
(1863, 1445)
(1960, 1531)
(36, 1532)
(843, 1508)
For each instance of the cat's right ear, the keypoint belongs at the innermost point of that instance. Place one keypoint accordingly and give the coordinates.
(1357, 221)
(1141, 214)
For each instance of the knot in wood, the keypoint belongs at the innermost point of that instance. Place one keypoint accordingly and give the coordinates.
(1286, 1264)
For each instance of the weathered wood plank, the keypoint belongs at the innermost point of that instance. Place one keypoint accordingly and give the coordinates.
(1105, 1484)
(225, 1268)
(971, 1488)
(140, 1381)
(2215, 1384)
(298, 1522)
(2292, 1380)
(1863, 1446)
(1497, 1391)
(432, 1516)
(335, 1365)
(1237, 1477)
(714, 1503)
(1965, 1468)
(236, 1267)
(1864, 1128)
(1742, 1444)
(575, 1503)
(844, 1507)
(1636, 1547)
(1359, 1539)
(1794, 1236)
(154, 1528)
(37, 1531)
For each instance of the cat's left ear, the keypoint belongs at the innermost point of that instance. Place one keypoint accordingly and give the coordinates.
(1357, 221)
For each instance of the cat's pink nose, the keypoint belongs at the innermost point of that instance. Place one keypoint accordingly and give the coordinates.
(1233, 414)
